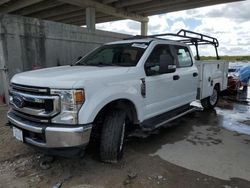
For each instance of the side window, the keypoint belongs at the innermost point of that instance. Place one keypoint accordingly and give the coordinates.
(183, 56)
(152, 65)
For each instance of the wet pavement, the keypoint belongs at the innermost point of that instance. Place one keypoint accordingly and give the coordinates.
(235, 111)
(202, 149)
(210, 149)
(218, 142)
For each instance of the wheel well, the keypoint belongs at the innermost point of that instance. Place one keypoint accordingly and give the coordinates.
(123, 104)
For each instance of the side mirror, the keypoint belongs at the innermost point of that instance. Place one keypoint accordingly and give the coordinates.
(167, 64)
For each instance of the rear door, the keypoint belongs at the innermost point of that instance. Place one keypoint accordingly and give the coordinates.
(187, 86)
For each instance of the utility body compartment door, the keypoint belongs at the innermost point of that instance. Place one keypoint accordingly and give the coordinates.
(167, 91)
(211, 73)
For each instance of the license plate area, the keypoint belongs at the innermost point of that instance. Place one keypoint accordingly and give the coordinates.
(18, 134)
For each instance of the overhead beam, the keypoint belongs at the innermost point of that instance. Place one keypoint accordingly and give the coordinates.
(157, 9)
(80, 17)
(76, 14)
(108, 1)
(3, 1)
(107, 9)
(15, 5)
(156, 3)
(120, 4)
(98, 20)
(107, 19)
(61, 10)
(61, 17)
(47, 4)
(178, 5)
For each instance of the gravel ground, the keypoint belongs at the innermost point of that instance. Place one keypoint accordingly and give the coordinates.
(199, 150)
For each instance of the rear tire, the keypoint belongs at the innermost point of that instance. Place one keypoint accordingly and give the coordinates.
(211, 101)
(112, 137)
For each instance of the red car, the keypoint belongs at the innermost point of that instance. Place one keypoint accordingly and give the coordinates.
(234, 72)
(233, 83)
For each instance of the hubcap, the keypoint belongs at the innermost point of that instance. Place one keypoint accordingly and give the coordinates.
(214, 97)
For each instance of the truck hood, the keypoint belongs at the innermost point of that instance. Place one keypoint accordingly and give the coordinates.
(66, 76)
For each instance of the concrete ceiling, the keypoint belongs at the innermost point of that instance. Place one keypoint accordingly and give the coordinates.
(73, 11)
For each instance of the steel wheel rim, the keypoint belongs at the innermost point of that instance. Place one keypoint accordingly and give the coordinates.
(214, 97)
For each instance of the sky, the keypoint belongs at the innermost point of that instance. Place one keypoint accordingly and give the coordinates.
(229, 23)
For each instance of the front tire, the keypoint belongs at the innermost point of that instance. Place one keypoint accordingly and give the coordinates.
(211, 101)
(112, 137)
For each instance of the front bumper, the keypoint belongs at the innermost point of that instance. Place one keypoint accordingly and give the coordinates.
(48, 136)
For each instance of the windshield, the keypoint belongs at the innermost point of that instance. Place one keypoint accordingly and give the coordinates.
(115, 55)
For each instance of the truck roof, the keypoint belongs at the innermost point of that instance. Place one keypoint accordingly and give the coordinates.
(148, 40)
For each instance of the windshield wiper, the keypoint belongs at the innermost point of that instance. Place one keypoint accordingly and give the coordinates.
(83, 64)
(101, 64)
(104, 64)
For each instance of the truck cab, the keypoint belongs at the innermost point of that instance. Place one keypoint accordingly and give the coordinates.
(141, 82)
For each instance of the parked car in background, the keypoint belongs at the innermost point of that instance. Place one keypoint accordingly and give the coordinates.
(237, 77)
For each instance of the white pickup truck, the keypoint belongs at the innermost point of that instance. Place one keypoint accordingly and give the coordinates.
(140, 82)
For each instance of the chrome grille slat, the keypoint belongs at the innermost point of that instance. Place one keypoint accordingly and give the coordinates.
(29, 117)
(34, 98)
(34, 102)
(30, 89)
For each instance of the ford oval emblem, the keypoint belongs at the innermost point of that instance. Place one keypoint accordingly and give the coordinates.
(18, 101)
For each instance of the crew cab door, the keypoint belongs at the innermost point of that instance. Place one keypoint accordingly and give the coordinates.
(188, 82)
(167, 91)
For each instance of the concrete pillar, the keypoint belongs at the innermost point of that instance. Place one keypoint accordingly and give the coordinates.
(90, 18)
(4, 74)
(144, 28)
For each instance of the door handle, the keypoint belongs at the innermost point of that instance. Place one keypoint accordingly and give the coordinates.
(176, 77)
(195, 74)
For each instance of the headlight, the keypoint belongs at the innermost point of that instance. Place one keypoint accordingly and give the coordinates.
(71, 102)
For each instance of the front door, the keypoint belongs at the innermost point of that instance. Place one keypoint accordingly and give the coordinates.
(161, 88)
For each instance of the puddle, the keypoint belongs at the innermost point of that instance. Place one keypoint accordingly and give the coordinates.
(243, 96)
(236, 115)
(238, 121)
(218, 154)
(209, 148)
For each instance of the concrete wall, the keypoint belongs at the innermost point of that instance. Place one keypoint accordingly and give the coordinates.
(26, 43)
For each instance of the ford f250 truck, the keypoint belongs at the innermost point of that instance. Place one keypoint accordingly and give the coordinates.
(139, 82)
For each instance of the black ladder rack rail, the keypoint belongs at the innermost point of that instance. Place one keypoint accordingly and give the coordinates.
(188, 37)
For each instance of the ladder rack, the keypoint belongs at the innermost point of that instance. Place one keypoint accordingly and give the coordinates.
(187, 37)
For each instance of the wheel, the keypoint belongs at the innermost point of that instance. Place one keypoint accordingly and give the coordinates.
(211, 101)
(112, 137)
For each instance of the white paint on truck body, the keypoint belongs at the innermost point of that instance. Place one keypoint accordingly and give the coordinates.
(210, 74)
(103, 85)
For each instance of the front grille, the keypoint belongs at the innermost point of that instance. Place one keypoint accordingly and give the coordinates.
(47, 105)
(34, 103)
(30, 89)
